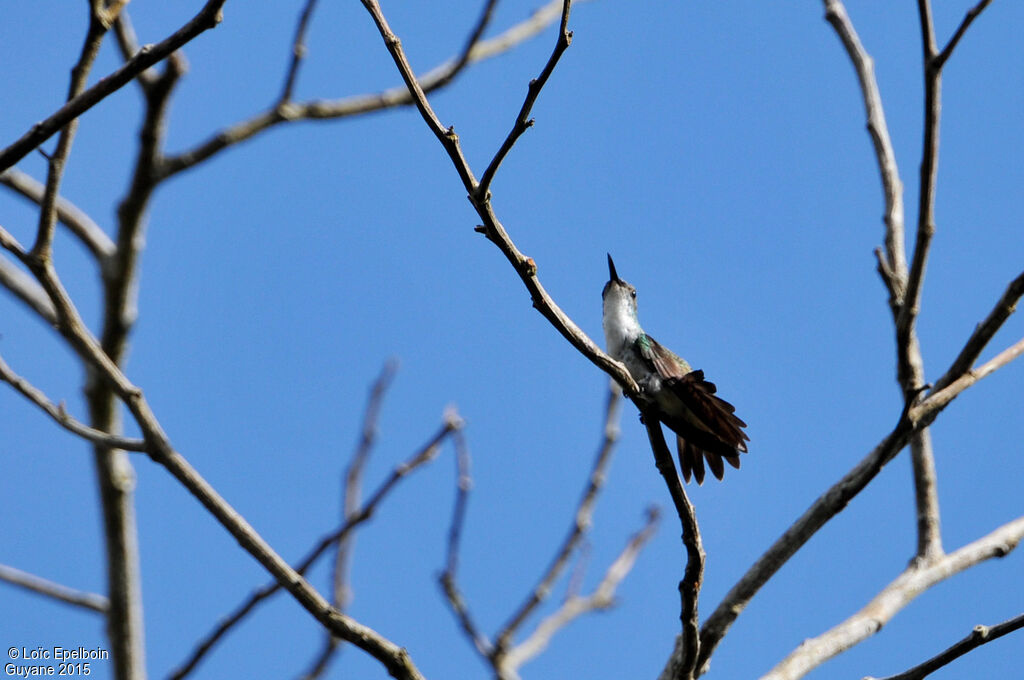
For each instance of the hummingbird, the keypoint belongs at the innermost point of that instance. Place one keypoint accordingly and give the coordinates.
(705, 425)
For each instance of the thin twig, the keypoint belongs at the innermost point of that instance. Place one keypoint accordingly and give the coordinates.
(603, 597)
(983, 333)
(969, 18)
(25, 288)
(37, 584)
(581, 521)
(425, 454)
(523, 120)
(979, 636)
(58, 159)
(894, 597)
(448, 579)
(341, 593)
(816, 516)
(893, 265)
(61, 416)
(298, 52)
(70, 215)
(936, 401)
(205, 19)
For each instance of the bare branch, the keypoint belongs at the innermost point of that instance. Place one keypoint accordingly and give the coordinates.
(821, 511)
(581, 521)
(60, 415)
(452, 423)
(603, 597)
(433, 79)
(393, 657)
(207, 18)
(979, 636)
(915, 417)
(36, 584)
(893, 598)
(70, 215)
(892, 267)
(926, 497)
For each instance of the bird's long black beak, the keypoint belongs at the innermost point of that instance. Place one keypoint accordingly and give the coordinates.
(611, 269)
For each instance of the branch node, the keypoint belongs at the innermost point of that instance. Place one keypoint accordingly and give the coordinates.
(528, 267)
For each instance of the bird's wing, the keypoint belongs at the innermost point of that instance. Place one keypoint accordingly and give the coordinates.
(716, 414)
(708, 427)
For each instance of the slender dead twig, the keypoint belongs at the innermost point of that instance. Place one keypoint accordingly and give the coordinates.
(61, 416)
(916, 579)
(452, 423)
(603, 597)
(979, 636)
(448, 579)
(341, 593)
(298, 51)
(581, 522)
(37, 584)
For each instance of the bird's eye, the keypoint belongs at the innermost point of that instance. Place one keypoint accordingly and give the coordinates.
(633, 293)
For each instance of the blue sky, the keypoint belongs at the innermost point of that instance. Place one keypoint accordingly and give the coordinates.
(717, 150)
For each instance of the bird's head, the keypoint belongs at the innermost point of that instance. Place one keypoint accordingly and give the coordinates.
(618, 294)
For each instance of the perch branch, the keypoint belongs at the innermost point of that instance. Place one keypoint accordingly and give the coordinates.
(681, 666)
